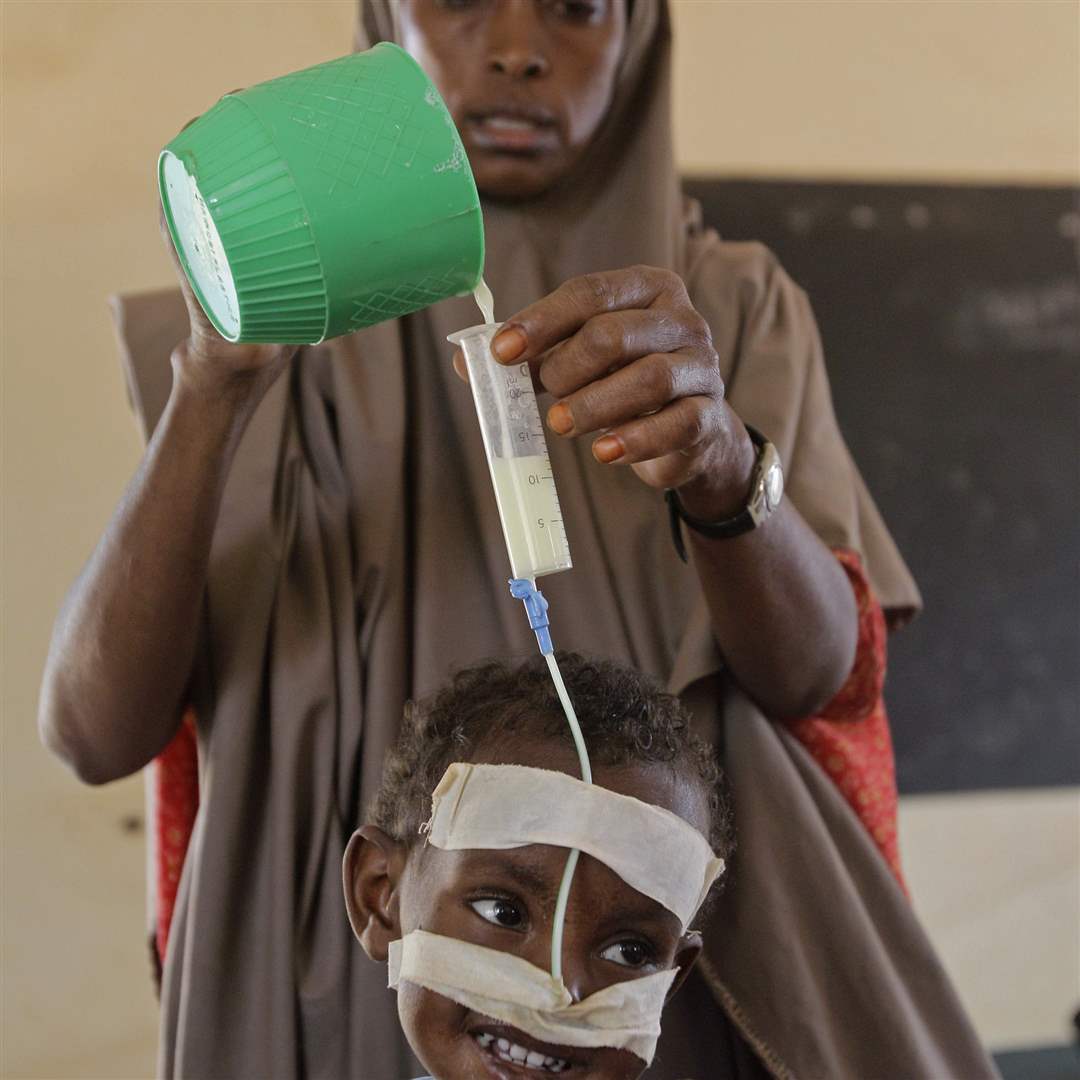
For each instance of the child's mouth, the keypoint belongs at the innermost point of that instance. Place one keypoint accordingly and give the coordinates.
(512, 1053)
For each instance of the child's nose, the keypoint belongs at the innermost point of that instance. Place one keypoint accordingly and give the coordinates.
(576, 981)
(578, 968)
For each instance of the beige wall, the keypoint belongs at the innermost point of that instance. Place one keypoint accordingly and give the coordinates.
(92, 89)
(935, 89)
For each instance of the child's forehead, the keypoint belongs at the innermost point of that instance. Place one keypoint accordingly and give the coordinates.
(661, 783)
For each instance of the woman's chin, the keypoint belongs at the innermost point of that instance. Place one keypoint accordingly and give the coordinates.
(507, 178)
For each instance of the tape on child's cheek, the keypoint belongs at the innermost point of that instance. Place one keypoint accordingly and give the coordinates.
(506, 806)
(499, 985)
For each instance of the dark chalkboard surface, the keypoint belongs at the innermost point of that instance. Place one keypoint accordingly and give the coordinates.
(951, 321)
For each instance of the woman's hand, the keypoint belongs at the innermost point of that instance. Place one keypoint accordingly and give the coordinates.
(629, 358)
(206, 361)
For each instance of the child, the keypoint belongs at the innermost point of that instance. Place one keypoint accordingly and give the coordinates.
(404, 890)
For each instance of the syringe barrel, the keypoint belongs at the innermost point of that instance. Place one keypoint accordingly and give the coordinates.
(517, 456)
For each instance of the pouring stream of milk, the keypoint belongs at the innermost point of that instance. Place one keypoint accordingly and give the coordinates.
(485, 301)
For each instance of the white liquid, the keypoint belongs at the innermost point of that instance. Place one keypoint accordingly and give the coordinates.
(201, 246)
(531, 516)
(485, 301)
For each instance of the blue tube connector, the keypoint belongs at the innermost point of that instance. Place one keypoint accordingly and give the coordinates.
(536, 608)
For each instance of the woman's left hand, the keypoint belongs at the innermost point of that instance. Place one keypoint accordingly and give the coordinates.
(627, 356)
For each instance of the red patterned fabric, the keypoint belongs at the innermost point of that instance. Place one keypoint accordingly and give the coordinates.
(850, 737)
(176, 790)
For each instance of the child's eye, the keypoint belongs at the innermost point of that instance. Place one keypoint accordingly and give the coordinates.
(631, 953)
(501, 912)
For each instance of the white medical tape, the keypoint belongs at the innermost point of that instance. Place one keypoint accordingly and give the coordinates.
(507, 806)
(499, 985)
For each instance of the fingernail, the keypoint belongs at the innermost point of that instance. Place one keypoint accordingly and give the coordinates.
(559, 419)
(508, 344)
(608, 449)
(460, 369)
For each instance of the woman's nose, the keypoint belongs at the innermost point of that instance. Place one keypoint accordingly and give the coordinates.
(514, 47)
(518, 63)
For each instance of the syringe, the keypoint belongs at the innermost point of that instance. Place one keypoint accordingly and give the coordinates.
(517, 456)
(532, 524)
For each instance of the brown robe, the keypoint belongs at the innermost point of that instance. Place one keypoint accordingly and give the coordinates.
(359, 558)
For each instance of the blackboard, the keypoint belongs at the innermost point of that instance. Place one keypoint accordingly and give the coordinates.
(951, 322)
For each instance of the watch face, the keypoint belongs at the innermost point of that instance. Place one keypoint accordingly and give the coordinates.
(774, 486)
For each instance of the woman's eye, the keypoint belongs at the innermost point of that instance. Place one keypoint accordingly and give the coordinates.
(500, 912)
(632, 954)
(578, 10)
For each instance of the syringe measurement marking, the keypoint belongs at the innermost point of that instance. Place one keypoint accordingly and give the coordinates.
(535, 546)
(528, 440)
(560, 531)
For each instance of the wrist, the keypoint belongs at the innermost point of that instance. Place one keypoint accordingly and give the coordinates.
(220, 393)
(213, 410)
(721, 489)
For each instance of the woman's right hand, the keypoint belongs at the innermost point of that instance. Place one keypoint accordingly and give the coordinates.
(207, 362)
(116, 678)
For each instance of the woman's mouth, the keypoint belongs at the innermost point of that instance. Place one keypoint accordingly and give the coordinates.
(513, 131)
(513, 1053)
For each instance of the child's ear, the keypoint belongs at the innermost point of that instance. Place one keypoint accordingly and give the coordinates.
(372, 871)
(685, 958)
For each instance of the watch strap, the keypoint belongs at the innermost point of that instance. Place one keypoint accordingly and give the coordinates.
(740, 523)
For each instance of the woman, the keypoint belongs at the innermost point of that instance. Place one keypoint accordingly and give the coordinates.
(331, 515)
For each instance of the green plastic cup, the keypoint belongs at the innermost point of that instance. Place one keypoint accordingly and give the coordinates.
(325, 201)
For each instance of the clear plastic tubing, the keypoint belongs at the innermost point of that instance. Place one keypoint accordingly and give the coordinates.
(559, 920)
(517, 457)
(531, 518)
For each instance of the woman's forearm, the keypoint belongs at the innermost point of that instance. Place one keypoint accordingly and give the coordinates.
(630, 359)
(123, 644)
(782, 608)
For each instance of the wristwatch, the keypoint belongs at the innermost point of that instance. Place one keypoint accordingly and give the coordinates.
(766, 491)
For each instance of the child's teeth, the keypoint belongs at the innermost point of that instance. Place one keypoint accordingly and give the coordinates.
(505, 1050)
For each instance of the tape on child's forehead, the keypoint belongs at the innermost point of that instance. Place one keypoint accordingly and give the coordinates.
(506, 806)
(499, 985)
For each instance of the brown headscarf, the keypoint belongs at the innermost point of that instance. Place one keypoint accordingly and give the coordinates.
(359, 558)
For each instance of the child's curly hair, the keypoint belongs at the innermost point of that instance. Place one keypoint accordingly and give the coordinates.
(625, 716)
